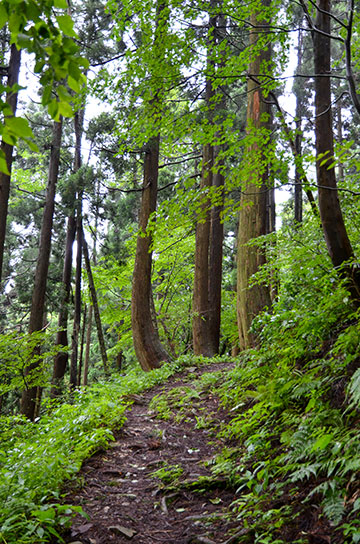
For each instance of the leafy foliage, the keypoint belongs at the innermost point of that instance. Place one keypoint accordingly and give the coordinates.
(33, 27)
(37, 459)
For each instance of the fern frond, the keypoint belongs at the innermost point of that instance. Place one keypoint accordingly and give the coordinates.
(354, 389)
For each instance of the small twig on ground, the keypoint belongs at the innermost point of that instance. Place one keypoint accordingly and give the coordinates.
(234, 538)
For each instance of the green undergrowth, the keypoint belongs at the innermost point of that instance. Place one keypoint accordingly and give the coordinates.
(295, 435)
(188, 402)
(292, 435)
(36, 459)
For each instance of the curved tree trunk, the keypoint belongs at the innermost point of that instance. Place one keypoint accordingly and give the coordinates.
(7, 149)
(148, 347)
(253, 212)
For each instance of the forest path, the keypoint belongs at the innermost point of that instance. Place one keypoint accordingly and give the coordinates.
(125, 503)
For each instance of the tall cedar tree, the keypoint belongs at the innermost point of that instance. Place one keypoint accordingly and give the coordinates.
(61, 358)
(148, 347)
(209, 227)
(28, 399)
(253, 211)
(78, 129)
(298, 203)
(337, 240)
(11, 99)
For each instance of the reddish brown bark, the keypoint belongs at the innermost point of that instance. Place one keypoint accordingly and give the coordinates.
(253, 213)
(82, 342)
(148, 347)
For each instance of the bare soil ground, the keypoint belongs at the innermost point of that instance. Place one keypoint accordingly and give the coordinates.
(125, 503)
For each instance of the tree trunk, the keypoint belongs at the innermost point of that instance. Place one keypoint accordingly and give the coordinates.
(337, 240)
(28, 400)
(82, 345)
(61, 359)
(78, 129)
(77, 298)
(253, 212)
(298, 204)
(201, 333)
(87, 348)
(7, 149)
(209, 227)
(148, 347)
(95, 306)
(216, 255)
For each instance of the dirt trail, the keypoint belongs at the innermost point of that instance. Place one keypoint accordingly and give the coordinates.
(126, 504)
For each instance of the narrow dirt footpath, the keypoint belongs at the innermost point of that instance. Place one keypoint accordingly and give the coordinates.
(126, 503)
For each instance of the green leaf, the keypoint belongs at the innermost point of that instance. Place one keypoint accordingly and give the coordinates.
(39, 66)
(46, 97)
(3, 16)
(69, 46)
(63, 94)
(82, 61)
(3, 166)
(323, 442)
(60, 4)
(65, 109)
(66, 25)
(8, 137)
(32, 145)
(23, 40)
(310, 405)
(53, 109)
(73, 84)
(19, 126)
(44, 515)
